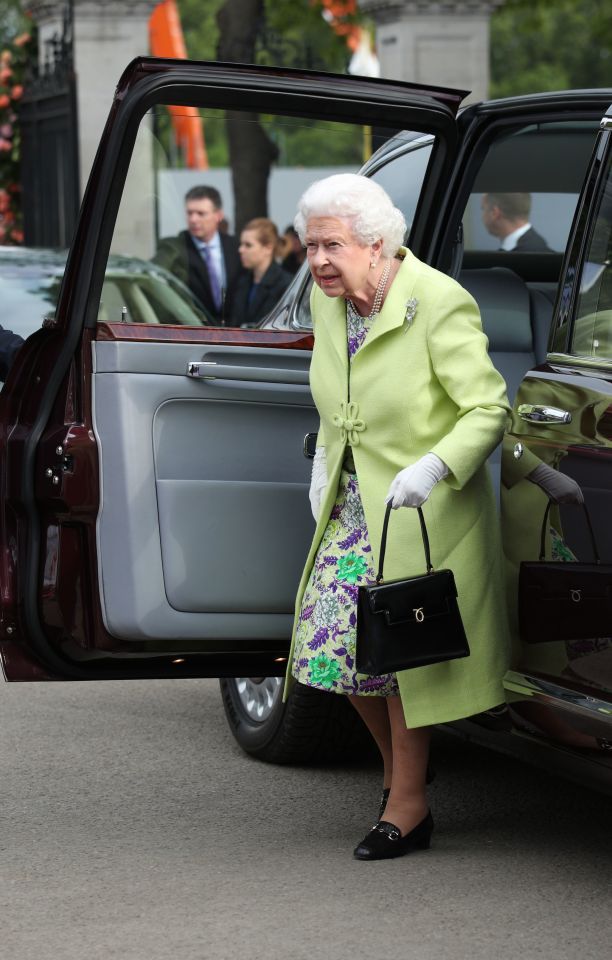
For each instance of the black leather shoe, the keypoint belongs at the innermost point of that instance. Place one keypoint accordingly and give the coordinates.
(385, 840)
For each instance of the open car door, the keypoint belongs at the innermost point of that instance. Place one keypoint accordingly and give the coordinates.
(155, 515)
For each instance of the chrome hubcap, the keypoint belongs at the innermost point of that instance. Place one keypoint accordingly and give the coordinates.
(259, 695)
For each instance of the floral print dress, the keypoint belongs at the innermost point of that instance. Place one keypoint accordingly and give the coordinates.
(324, 653)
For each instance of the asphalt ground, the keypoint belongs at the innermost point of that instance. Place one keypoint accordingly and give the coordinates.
(133, 827)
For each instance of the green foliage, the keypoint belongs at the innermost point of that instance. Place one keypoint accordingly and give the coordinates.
(307, 40)
(540, 45)
(296, 35)
(200, 27)
(12, 21)
(315, 143)
(14, 54)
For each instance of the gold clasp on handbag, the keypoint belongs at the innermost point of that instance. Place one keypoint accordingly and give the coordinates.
(576, 595)
(419, 616)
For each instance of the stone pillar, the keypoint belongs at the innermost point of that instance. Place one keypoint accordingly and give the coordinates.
(442, 42)
(107, 35)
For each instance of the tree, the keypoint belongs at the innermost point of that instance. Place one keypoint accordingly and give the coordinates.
(251, 151)
(271, 32)
(537, 45)
(292, 33)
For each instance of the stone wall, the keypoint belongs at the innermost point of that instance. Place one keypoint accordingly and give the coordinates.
(107, 35)
(443, 42)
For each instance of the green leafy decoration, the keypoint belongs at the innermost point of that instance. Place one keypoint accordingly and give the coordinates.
(15, 45)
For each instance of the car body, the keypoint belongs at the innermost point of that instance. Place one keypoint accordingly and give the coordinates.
(155, 502)
(134, 291)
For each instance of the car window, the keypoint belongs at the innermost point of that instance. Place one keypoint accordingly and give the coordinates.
(525, 193)
(148, 298)
(592, 332)
(133, 291)
(245, 177)
(403, 174)
(27, 294)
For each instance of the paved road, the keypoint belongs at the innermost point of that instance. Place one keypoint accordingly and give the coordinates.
(134, 828)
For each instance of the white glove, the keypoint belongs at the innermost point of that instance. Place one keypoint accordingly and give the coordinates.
(412, 486)
(318, 481)
(556, 485)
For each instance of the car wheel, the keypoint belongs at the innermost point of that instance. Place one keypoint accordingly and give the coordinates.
(311, 727)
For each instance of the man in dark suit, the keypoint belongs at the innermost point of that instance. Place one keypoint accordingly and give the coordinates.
(506, 216)
(205, 259)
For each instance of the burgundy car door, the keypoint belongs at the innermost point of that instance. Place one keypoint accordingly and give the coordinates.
(154, 491)
(560, 687)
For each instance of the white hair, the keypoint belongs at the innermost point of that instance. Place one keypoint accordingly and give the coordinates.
(361, 201)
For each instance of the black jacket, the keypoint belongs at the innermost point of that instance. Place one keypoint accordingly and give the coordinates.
(266, 295)
(532, 240)
(181, 257)
(10, 344)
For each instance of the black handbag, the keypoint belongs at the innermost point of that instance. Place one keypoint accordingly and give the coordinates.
(564, 601)
(411, 622)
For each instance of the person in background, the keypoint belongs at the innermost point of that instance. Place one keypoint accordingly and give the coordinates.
(202, 256)
(506, 216)
(10, 345)
(294, 251)
(263, 281)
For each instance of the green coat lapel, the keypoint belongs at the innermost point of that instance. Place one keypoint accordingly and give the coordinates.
(331, 317)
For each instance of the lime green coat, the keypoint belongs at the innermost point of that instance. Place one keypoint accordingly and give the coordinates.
(419, 385)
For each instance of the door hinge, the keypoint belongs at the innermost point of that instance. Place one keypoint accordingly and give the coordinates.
(64, 464)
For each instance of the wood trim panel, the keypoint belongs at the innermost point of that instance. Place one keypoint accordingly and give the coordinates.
(230, 336)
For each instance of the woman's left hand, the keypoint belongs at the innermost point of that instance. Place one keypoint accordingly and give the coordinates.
(412, 486)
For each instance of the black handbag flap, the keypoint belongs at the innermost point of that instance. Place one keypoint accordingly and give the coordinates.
(419, 598)
(546, 580)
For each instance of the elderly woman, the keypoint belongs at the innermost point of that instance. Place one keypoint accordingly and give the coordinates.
(410, 408)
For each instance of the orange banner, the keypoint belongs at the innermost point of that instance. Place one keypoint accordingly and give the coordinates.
(167, 40)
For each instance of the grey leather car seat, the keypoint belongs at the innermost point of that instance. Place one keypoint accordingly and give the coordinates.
(516, 320)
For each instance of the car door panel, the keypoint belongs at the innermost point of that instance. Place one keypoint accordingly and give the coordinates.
(157, 511)
(204, 515)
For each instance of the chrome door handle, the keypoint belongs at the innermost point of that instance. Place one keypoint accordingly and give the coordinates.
(198, 369)
(535, 413)
(211, 370)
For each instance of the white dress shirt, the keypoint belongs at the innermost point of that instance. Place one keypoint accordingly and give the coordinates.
(509, 242)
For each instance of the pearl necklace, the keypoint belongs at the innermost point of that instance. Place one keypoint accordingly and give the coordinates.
(378, 296)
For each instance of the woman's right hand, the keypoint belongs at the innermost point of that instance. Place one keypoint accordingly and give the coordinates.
(318, 481)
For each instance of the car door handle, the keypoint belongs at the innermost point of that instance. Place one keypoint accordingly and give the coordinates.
(535, 413)
(211, 370)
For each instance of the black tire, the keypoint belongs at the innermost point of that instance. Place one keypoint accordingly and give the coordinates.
(311, 727)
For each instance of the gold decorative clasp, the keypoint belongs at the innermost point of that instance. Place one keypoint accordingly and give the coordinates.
(419, 616)
(348, 423)
(576, 595)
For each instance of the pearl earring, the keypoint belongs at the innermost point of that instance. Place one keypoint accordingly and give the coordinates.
(372, 264)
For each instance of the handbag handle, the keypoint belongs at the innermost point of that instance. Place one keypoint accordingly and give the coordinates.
(589, 525)
(383, 542)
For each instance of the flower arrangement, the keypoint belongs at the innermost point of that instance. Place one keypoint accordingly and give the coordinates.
(13, 60)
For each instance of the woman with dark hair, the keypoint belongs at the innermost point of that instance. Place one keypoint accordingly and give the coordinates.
(263, 281)
(294, 251)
